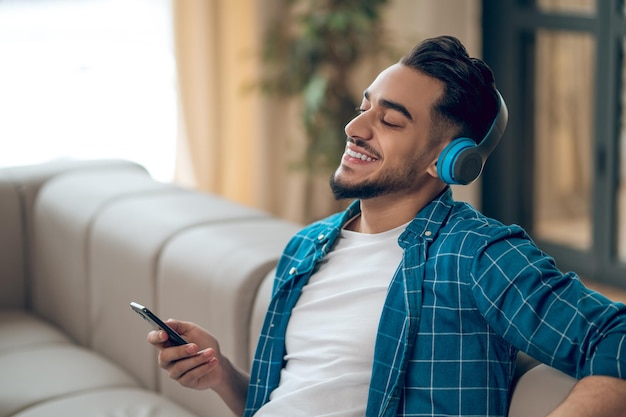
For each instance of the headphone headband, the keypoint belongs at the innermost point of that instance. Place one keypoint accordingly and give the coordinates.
(495, 132)
(462, 160)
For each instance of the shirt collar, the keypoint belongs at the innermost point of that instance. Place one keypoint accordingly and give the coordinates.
(425, 224)
(428, 221)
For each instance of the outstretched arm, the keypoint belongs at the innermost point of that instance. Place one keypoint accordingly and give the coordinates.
(594, 396)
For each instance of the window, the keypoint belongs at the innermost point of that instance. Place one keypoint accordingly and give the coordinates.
(563, 114)
(88, 79)
(560, 170)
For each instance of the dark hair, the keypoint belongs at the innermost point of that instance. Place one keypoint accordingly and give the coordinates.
(469, 100)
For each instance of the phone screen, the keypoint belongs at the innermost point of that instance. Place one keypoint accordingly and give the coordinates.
(156, 322)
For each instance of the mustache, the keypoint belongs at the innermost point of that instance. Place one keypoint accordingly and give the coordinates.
(363, 145)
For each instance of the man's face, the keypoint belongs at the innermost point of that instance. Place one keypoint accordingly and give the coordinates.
(388, 150)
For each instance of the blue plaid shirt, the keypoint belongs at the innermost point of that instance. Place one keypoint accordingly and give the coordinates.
(469, 295)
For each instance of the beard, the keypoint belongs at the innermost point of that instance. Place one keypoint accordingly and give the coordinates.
(395, 181)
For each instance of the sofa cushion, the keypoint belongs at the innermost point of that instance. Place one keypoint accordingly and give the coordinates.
(210, 275)
(27, 181)
(126, 244)
(20, 329)
(124, 402)
(39, 373)
(64, 212)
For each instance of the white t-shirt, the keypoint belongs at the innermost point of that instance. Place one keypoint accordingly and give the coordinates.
(332, 330)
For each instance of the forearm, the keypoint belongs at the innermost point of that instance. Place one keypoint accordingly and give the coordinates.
(594, 396)
(234, 388)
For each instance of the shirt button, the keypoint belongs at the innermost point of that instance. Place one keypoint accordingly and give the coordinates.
(428, 233)
(321, 236)
(292, 270)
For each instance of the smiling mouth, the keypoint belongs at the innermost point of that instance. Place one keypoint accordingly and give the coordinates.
(359, 155)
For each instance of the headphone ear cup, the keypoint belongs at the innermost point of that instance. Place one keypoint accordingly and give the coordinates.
(452, 160)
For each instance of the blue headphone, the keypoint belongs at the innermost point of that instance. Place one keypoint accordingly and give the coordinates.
(462, 161)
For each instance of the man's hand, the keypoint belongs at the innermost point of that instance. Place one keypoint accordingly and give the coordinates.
(200, 364)
(188, 364)
(594, 396)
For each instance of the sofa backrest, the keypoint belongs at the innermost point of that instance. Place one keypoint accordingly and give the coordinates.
(211, 275)
(63, 219)
(102, 238)
(126, 249)
(19, 192)
(12, 246)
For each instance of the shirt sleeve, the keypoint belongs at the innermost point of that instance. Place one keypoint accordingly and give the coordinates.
(544, 312)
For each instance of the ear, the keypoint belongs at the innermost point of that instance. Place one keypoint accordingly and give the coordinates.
(432, 168)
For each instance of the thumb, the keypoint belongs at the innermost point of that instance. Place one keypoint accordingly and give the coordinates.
(178, 326)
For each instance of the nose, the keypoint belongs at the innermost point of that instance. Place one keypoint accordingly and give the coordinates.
(359, 126)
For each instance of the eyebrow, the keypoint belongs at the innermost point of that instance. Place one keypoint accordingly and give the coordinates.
(391, 105)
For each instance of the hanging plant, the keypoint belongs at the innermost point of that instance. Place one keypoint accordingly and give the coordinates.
(311, 52)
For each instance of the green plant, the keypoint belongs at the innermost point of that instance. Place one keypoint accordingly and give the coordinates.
(311, 52)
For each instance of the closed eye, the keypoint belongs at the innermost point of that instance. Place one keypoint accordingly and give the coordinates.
(361, 110)
(383, 121)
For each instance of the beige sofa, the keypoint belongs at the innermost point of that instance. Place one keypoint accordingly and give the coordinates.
(79, 240)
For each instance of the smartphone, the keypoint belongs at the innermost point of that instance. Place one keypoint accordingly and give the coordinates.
(156, 322)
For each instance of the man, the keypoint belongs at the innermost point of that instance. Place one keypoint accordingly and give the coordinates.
(409, 303)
